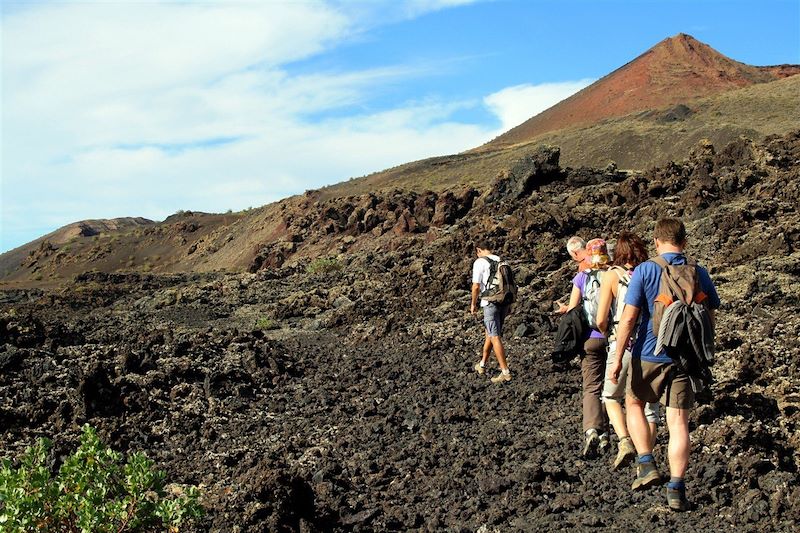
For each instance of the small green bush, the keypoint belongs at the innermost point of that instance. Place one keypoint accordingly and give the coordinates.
(92, 492)
(323, 264)
(265, 324)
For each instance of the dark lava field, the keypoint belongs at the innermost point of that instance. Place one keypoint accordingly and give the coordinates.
(344, 399)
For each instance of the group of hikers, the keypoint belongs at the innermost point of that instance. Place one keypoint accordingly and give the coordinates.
(643, 328)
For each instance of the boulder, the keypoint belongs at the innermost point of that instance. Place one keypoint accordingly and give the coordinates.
(527, 174)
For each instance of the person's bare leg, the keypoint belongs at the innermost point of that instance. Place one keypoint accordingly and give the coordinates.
(617, 417)
(678, 448)
(653, 433)
(487, 348)
(499, 352)
(638, 426)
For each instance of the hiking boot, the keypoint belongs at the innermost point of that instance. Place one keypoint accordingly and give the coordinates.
(479, 369)
(676, 499)
(626, 452)
(647, 475)
(590, 444)
(500, 378)
(603, 445)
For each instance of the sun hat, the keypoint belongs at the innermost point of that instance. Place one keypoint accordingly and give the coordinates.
(598, 252)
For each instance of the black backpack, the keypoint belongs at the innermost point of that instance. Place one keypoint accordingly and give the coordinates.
(501, 289)
(573, 330)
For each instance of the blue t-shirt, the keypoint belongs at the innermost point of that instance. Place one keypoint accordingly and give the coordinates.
(643, 290)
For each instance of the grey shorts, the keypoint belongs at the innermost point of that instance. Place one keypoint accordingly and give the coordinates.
(612, 392)
(493, 317)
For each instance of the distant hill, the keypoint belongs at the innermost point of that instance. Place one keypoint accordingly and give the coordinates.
(11, 260)
(644, 114)
(639, 140)
(674, 71)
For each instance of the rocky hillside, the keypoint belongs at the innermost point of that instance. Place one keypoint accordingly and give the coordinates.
(199, 242)
(644, 114)
(330, 389)
(676, 70)
(637, 141)
(62, 238)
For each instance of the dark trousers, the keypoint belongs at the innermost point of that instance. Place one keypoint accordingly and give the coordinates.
(593, 367)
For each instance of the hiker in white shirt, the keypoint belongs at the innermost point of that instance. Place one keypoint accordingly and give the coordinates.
(493, 314)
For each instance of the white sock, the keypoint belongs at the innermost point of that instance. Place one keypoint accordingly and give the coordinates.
(506, 371)
(482, 364)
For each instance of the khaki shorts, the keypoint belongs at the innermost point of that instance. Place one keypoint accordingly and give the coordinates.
(616, 393)
(653, 382)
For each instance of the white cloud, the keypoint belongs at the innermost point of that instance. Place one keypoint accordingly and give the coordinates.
(514, 105)
(141, 109)
(416, 7)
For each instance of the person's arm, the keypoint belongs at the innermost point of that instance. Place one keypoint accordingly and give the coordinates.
(624, 329)
(574, 298)
(607, 285)
(475, 289)
(635, 300)
(707, 287)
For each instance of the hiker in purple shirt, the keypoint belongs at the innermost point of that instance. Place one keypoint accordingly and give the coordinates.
(593, 363)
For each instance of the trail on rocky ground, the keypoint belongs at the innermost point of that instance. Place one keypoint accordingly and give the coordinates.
(345, 400)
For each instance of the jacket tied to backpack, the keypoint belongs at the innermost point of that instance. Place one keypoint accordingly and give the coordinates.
(573, 331)
(682, 322)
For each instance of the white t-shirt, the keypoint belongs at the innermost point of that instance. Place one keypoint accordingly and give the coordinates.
(480, 273)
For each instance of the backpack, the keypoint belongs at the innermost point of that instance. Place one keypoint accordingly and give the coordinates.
(682, 323)
(618, 305)
(501, 288)
(572, 333)
(591, 296)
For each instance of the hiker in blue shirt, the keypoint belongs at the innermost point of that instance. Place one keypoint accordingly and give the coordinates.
(653, 376)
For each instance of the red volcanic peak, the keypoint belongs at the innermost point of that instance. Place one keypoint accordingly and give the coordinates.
(675, 70)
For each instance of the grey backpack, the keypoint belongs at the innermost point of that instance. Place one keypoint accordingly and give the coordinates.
(501, 288)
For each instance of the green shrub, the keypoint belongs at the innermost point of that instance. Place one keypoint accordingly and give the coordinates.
(265, 324)
(323, 264)
(92, 492)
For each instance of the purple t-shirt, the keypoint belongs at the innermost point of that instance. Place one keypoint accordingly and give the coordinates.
(579, 281)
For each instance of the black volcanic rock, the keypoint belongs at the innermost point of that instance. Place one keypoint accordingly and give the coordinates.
(345, 400)
(527, 174)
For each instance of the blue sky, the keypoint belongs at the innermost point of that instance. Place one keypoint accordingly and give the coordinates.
(116, 109)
